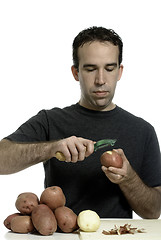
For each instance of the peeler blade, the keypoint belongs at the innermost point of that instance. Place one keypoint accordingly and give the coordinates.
(104, 143)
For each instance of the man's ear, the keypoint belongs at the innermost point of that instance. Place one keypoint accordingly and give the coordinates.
(75, 73)
(120, 72)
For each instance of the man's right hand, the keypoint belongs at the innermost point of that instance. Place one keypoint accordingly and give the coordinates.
(74, 148)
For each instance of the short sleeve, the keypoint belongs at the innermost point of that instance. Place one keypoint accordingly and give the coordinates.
(151, 166)
(35, 129)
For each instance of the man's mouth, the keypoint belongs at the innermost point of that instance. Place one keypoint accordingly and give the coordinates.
(100, 93)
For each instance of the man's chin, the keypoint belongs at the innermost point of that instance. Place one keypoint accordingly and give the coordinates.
(98, 105)
(104, 106)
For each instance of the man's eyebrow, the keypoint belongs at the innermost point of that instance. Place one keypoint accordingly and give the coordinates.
(114, 64)
(111, 64)
(89, 65)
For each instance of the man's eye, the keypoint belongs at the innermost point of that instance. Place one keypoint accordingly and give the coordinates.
(109, 69)
(90, 69)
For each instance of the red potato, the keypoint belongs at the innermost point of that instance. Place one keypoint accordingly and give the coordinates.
(66, 219)
(53, 197)
(26, 202)
(22, 224)
(7, 221)
(44, 220)
(111, 159)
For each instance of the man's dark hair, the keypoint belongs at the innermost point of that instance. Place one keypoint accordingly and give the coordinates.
(96, 34)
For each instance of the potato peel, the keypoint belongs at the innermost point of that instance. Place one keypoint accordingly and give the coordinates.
(126, 229)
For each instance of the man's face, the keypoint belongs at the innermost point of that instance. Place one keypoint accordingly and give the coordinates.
(98, 74)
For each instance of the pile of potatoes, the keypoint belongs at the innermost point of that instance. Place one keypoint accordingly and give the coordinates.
(44, 216)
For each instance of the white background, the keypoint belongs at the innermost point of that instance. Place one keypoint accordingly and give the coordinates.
(35, 59)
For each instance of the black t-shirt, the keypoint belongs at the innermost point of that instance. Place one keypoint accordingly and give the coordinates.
(84, 184)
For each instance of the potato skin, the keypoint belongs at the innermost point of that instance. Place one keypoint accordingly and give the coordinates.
(7, 221)
(26, 202)
(44, 220)
(22, 224)
(111, 158)
(66, 219)
(53, 197)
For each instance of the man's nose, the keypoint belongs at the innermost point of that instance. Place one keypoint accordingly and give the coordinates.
(100, 78)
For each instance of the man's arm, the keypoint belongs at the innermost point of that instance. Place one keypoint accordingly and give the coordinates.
(15, 156)
(144, 200)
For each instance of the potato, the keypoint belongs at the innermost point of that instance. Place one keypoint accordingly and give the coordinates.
(66, 219)
(44, 220)
(7, 221)
(111, 159)
(88, 221)
(53, 197)
(22, 224)
(26, 202)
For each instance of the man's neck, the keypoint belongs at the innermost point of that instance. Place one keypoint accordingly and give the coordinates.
(110, 107)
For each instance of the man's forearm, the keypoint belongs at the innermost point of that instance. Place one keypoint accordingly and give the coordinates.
(15, 157)
(144, 200)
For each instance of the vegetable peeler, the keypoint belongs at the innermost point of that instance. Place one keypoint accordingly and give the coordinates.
(98, 145)
(104, 143)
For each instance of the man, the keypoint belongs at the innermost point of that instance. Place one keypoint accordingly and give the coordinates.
(111, 192)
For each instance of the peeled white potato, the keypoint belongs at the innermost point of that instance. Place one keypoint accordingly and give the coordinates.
(88, 221)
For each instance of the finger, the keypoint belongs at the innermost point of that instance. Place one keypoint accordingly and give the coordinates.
(83, 148)
(104, 169)
(74, 150)
(73, 153)
(67, 155)
(107, 172)
(89, 147)
(120, 152)
(113, 177)
(111, 171)
(77, 149)
(81, 152)
(117, 171)
(62, 153)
